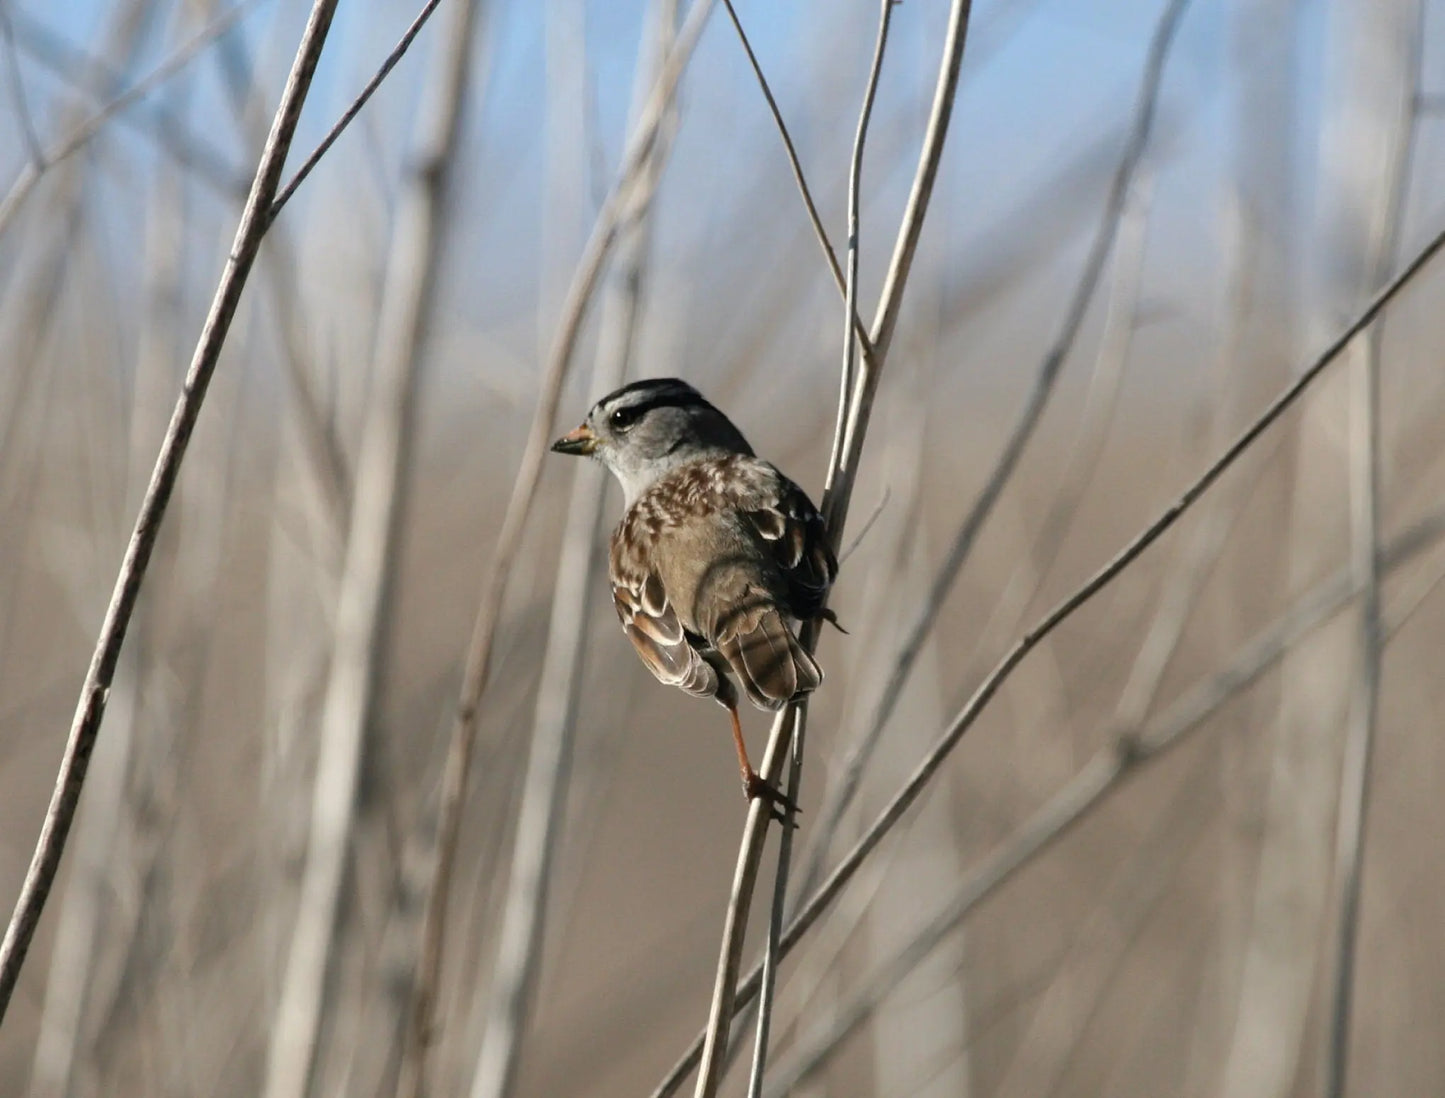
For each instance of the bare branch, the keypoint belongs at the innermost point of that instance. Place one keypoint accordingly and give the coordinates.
(804, 191)
(856, 399)
(1134, 747)
(91, 707)
(958, 552)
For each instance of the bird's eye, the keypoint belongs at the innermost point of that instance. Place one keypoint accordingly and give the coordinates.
(624, 419)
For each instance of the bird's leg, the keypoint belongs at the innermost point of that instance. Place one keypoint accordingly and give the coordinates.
(754, 784)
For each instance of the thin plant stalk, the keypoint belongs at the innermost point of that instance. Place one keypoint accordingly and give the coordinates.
(837, 494)
(1133, 749)
(439, 858)
(850, 355)
(549, 763)
(1111, 219)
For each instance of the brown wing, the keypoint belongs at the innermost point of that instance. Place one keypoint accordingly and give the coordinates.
(652, 625)
(787, 521)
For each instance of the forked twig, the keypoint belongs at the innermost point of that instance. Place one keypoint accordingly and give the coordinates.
(841, 796)
(388, 63)
(857, 399)
(96, 688)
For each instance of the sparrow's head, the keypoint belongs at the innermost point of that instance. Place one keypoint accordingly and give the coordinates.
(646, 429)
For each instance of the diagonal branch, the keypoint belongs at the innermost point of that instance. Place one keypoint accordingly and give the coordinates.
(91, 707)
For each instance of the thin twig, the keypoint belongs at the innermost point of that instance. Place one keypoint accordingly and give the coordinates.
(91, 706)
(851, 341)
(388, 63)
(856, 761)
(440, 857)
(77, 138)
(823, 898)
(842, 474)
(804, 191)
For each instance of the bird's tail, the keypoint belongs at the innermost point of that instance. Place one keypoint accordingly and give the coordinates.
(771, 665)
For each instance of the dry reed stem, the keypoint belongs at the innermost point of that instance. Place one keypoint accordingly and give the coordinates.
(78, 137)
(851, 347)
(804, 191)
(370, 565)
(549, 762)
(95, 690)
(1111, 218)
(823, 898)
(857, 399)
(1406, 21)
(440, 856)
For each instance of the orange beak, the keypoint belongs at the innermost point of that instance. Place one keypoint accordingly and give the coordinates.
(581, 440)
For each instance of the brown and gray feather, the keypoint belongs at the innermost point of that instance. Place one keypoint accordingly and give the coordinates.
(706, 567)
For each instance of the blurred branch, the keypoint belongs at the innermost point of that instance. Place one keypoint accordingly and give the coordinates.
(823, 898)
(856, 400)
(370, 567)
(17, 90)
(95, 76)
(77, 138)
(438, 859)
(91, 708)
(324, 466)
(1393, 35)
(1111, 219)
(549, 761)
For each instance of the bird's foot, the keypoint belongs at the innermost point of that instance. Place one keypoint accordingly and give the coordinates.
(755, 786)
(831, 618)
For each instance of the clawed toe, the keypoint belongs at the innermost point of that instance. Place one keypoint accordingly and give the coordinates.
(756, 786)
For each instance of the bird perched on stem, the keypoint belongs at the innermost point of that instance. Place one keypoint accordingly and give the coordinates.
(715, 552)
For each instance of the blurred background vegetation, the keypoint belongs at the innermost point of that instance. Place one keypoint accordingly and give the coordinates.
(363, 434)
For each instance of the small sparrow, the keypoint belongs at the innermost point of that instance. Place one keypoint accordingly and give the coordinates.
(716, 550)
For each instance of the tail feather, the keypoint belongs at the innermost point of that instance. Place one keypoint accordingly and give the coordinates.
(771, 665)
